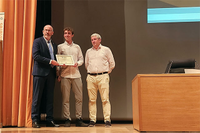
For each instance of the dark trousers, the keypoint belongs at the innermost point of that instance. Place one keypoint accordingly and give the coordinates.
(41, 84)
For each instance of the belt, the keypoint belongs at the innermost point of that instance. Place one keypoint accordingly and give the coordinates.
(94, 74)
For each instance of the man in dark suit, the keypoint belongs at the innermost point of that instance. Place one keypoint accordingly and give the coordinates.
(44, 74)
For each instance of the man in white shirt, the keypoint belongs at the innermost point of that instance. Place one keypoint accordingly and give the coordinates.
(70, 77)
(99, 62)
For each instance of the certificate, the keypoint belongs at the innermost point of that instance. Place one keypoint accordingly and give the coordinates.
(65, 59)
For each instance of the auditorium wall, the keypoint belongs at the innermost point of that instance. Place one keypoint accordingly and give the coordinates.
(138, 47)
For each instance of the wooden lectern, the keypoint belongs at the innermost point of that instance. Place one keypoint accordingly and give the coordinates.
(166, 102)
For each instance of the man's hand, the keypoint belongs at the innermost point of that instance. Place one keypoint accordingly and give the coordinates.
(75, 65)
(64, 66)
(59, 79)
(55, 63)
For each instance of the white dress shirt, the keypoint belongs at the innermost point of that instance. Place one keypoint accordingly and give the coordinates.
(99, 60)
(74, 50)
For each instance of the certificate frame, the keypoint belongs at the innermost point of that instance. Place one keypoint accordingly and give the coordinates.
(65, 59)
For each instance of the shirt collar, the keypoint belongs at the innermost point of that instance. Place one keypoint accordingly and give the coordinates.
(98, 47)
(46, 40)
(69, 44)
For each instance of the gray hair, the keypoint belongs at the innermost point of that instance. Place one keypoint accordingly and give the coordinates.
(48, 25)
(96, 35)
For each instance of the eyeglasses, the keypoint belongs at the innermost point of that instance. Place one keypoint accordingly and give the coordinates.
(47, 30)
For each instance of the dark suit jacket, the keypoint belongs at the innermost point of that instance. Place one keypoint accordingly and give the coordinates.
(41, 56)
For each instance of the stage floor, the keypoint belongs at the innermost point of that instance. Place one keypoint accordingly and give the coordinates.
(99, 128)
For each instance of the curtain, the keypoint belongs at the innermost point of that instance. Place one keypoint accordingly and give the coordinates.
(19, 31)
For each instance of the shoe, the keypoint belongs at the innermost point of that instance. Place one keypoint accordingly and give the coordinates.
(35, 125)
(91, 124)
(67, 123)
(107, 124)
(80, 123)
(51, 124)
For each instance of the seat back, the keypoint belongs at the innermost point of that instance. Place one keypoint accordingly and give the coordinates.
(178, 66)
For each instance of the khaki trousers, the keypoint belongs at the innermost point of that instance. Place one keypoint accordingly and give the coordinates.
(101, 83)
(77, 88)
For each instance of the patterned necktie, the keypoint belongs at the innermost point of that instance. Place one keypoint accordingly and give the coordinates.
(51, 50)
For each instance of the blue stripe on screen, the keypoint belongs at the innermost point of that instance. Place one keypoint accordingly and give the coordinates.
(179, 14)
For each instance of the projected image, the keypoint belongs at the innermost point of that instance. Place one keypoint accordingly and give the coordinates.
(167, 11)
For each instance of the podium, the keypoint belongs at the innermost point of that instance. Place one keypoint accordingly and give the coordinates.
(166, 102)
